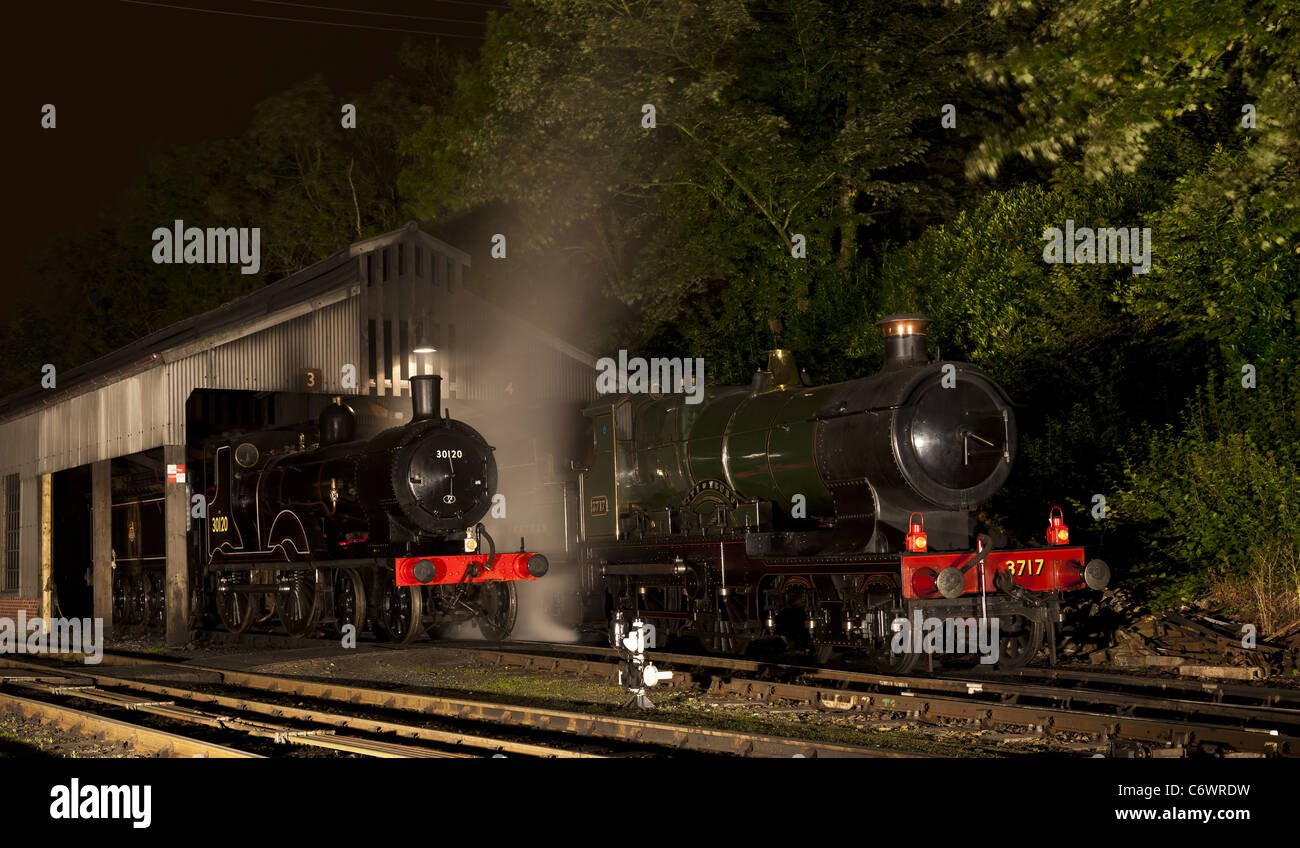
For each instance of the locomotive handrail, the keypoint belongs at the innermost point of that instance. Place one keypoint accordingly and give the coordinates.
(492, 548)
(986, 545)
(845, 413)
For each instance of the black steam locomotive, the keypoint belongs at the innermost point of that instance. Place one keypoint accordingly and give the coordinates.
(337, 531)
(833, 517)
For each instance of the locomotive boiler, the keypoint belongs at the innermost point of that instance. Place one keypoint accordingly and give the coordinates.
(823, 515)
(337, 531)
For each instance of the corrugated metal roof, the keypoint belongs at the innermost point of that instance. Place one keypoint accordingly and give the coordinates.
(398, 286)
(235, 317)
(301, 292)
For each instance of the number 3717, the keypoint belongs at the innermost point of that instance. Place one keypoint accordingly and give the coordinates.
(1023, 567)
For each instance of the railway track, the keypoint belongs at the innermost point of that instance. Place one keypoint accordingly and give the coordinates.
(367, 721)
(1212, 694)
(1175, 716)
(50, 695)
(133, 737)
(1226, 693)
(1160, 716)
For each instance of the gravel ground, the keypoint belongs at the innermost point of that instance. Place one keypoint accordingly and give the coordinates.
(27, 738)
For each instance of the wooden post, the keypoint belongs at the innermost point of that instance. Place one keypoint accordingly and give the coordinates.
(46, 585)
(101, 540)
(382, 366)
(363, 360)
(175, 510)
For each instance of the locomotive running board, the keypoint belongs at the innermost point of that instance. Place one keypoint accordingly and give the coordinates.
(300, 565)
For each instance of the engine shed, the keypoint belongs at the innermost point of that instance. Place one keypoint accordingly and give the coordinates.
(100, 476)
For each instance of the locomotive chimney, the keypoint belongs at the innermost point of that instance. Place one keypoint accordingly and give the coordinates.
(426, 397)
(904, 340)
(781, 365)
(426, 387)
(781, 373)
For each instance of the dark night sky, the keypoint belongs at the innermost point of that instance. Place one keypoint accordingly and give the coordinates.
(126, 77)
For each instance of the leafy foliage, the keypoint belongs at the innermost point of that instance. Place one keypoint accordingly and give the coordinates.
(1109, 364)
(1158, 62)
(1228, 484)
(772, 121)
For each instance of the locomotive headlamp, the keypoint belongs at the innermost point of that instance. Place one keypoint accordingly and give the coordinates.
(471, 541)
(924, 583)
(916, 540)
(1057, 532)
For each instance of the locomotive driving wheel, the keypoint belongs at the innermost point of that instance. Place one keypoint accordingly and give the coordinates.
(349, 600)
(726, 630)
(401, 610)
(234, 607)
(498, 606)
(883, 598)
(887, 661)
(138, 600)
(156, 599)
(297, 607)
(1019, 640)
(119, 596)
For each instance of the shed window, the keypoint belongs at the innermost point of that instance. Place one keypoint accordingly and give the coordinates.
(404, 355)
(390, 375)
(373, 366)
(12, 502)
(453, 362)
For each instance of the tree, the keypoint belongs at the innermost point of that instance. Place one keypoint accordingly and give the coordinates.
(310, 185)
(1157, 62)
(772, 121)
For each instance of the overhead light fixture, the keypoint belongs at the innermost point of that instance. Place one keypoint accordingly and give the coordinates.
(424, 358)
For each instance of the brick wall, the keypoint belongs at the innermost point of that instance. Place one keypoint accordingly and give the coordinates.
(10, 605)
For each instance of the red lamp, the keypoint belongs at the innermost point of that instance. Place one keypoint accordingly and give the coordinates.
(1057, 532)
(916, 541)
